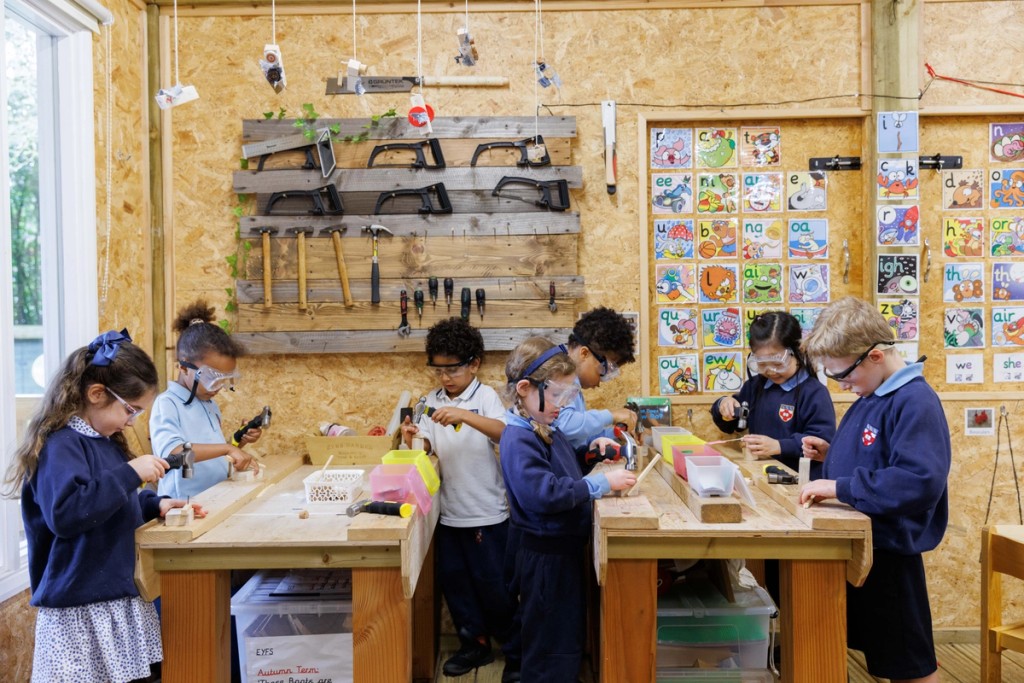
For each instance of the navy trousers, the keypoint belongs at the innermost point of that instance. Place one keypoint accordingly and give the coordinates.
(470, 568)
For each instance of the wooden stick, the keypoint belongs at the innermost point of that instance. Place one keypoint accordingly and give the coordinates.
(647, 470)
(324, 468)
(300, 236)
(267, 298)
(715, 443)
(342, 270)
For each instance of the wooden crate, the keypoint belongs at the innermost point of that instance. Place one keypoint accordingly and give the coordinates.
(348, 450)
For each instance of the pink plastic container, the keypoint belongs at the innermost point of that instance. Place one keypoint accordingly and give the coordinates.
(400, 484)
(682, 451)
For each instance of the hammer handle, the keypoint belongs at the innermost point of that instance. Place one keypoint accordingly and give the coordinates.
(342, 269)
(267, 298)
(375, 283)
(300, 237)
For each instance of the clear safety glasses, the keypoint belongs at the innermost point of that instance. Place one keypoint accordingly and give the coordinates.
(609, 369)
(450, 370)
(211, 379)
(840, 376)
(769, 364)
(557, 393)
(132, 411)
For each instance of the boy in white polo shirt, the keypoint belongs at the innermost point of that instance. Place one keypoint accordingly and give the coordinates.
(463, 428)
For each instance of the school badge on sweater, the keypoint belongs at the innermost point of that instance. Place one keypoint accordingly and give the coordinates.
(869, 435)
(786, 412)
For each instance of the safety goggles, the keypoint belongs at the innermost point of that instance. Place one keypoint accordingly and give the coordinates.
(558, 393)
(840, 376)
(775, 363)
(450, 369)
(609, 369)
(211, 379)
(132, 411)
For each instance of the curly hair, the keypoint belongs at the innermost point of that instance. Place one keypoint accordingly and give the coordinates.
(456, 338)
(198, 335)
(606, 332)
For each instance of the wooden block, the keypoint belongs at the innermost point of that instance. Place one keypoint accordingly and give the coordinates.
(180, 516)
(625, 512)
(370, 527)
(707, 510)
(248, 475)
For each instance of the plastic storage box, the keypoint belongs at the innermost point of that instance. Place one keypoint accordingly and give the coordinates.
(697, 625)
(400, 484)
(714, 676)
(290, 623)
(680, 452)
(423, 465)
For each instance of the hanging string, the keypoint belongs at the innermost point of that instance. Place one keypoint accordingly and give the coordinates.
(467, 16)
(355, 54)
(1003, 421)
(108, 104)
(273, 21)
(177, 79)
(536, 65)
(419, 42)
(968, 83)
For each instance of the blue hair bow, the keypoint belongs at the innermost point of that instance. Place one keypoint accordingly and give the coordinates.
(104, 347)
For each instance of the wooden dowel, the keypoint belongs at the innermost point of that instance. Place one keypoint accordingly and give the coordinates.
(342, 269)
(300, 236)
(267, 296)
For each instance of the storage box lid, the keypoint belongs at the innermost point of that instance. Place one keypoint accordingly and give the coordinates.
(714, 676)
(700, 598)
(257, 595)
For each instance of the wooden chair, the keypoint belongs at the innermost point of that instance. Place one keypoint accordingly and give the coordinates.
(1002, 552)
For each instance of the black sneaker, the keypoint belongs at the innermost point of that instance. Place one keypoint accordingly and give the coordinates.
(510, 674)
(471, 655)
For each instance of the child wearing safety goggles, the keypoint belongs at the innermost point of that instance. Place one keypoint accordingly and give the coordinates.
(550, 501)
(186, 413)
(600, 342)
(785, 400)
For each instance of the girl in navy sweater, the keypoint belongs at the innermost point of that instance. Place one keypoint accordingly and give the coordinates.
(81, 504)
(889, 459)
(549, 499)
(785, 399)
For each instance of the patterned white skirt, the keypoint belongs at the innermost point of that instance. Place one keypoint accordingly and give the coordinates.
(104, 642)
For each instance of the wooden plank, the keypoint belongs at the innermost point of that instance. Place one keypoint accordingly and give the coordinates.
(195, 626)
(621, 512)
(628, 620)
(425, 615)
(363, 315)
(342, 341)
(399, 128)
(381, 627)
(369, 527)
(462, 201)
(707, 510)
(813, 612)
(429, 225)
(498, 289)
(387, 179)
(541, 256)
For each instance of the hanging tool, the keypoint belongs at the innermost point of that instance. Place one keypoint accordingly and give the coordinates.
(611, 160)
(552, 306)
(532, 151)
(322, 146)
(426, 195)
(185, 459)
(375, 231)
(265, 234)
(261, 421)
(554, 194)
(449, 288)
(432, 286)
(342, 269)
(417, 296)
(480, 296)
(332, 206)
(467, 300)
(403, 329)
(420, 161)
(300, 249)
(380, 508)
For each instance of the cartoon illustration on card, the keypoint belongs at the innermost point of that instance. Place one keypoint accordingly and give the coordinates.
(808, 238)
(1006, 141)
(762, 238)
(963, 236)
(809, 284)
(963, 282)
(898, 225)
(902, 316)
(762, 192)
(677, 327)
(672, 192)
(1007, 236)
(671, 148)
(807, 191)
(675, 283)
(721, 327)
(760, 146)
(715, 147)
(965, 368)
(673, 239)
(964, 328)
(1008, 326)
(678, 375)
(963, 189)
(897, 179)
(897, 274)
(807, 315)
(717, 238)
(717, 284)
(1006, 188)
(750, 314)
(1007, 281)
(717, 192)
(897, 131)
(762, 283)
(723, 371)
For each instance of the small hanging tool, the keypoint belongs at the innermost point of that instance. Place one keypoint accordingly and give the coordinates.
(265, 234)
(554, 194)
(741, 419)
(480, 297)
(449, 288)
(375, 231)
(261, 421)
(380, 508)
(417, 297)
(611, 160)
(417, 148)
(433, 199)
(432, 286)
(467, 300)
(339, 256)
(532, 151)
(552, 306)
(300, 250)
(403, 329)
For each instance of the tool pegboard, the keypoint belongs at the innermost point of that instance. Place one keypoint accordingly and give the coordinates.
(485, 202)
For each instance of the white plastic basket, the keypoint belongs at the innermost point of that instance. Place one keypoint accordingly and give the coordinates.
(333, 486)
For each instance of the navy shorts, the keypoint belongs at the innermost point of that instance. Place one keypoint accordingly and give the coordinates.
(889, 619)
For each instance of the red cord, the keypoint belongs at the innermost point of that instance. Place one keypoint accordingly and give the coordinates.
(931, 72)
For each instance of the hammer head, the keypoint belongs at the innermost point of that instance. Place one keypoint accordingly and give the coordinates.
(375, 230)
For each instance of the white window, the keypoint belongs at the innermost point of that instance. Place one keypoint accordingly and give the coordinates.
(48, 303)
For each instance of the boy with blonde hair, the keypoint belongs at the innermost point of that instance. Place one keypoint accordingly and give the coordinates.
(889, 459)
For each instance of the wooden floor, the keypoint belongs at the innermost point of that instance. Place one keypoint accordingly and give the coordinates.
(958, 663)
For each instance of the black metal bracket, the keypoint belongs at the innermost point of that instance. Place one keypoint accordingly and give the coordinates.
(332, 207)
(939, 162)
(836, 163)
(524, 147)
(437, 157)
(426, 195)
(554, 194)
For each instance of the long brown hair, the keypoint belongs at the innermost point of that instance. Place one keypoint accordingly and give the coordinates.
(130, 374)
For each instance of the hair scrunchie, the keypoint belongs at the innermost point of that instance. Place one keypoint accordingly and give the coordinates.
(104, 347)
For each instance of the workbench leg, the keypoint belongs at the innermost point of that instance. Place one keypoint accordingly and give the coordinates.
(629, 605)
(381, 626)
(813, 614)
(425, 610)
(195, 617)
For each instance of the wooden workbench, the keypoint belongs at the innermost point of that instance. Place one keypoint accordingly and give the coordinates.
(819, 548)
(257, 526)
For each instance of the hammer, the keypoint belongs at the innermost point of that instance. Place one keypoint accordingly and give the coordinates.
(266, 233)
(375, 230)
(342, 270)
(300, 236)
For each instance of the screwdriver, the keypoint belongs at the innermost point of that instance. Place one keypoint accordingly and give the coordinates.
(449, 288)
(480, 296)
(417, 296)
(467, 300)
(432, 286)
